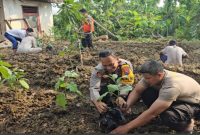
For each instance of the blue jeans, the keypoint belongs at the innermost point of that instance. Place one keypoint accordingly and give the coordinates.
(163, 58)
(13, 40)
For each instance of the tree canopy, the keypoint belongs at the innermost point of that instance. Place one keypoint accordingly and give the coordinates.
(132, 18)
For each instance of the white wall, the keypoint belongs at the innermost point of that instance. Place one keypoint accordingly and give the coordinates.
(13, 10)
(46, 17)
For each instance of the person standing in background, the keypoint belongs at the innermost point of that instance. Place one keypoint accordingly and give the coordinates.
(88, 29)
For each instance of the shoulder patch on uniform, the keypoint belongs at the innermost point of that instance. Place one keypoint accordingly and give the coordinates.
(126, 70)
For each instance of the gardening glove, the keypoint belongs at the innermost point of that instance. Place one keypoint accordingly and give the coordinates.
(101, 106)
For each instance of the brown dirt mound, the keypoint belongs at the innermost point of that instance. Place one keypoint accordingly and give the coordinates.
(36, 112)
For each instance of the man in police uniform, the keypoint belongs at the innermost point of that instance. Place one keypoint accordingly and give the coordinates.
(110, 64)
(173, 96)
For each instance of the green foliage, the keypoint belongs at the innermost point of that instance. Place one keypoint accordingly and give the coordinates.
(132, 19)
(71, 74)
(12, 78)
(117, 87)
(67, 21)
(24, 83)
(5, 72)
(2, 63)
(64, 84)
(60, 100)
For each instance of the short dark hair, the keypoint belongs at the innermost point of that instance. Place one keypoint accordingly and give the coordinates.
(172, 42)
(151, 67)
(106, 53)
(83, 10)
(29, 30)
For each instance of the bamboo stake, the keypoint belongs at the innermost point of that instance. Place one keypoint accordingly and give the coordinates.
(80, 52)
(105, 29)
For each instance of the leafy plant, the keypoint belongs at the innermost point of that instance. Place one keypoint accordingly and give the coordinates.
(12, 78)
(116, 87)
(132, 19)
(64, 84)
(67, 20)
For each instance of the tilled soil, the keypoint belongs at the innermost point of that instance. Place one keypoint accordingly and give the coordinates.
(35, 111)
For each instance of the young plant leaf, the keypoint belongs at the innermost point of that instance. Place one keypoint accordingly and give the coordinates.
(61, 100)
(126, 88)
(73, 88)
(71, 74)
(63, 85)
(112, 88)
(114, 77)
(61, 78)
(102, 96)
(79, 93)
(59, 83)
(2, 63)
(118, 80)
(24, 83)
(6, 73)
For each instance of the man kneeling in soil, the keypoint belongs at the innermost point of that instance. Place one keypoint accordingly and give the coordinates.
(173, 54)
(173, 96)
(28, 44)
(110, 113)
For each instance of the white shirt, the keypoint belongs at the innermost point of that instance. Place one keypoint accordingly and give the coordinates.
(174, 54)
(17, 33)
(26, 44)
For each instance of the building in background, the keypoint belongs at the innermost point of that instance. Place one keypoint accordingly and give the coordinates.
(23, 13)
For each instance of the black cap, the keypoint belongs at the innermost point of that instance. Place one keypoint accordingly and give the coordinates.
(172, 42)
(29, 30)
(105, 53)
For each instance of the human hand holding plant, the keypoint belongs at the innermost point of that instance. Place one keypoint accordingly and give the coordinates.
(101, 106)
(120, 102)
(123, 105)
(117, 87)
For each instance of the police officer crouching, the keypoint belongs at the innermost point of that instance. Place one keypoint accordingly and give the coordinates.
(110, 112)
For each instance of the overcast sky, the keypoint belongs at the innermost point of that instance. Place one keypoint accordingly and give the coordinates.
(55, 9)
